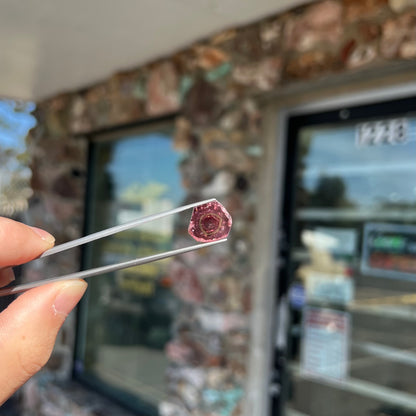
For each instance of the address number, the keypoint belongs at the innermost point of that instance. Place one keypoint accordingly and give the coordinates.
(373, 133)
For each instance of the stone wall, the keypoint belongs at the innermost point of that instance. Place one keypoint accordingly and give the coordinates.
(213, 90)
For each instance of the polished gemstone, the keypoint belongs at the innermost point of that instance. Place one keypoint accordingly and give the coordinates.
(210, 222)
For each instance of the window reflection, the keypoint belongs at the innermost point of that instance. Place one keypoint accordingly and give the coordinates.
(126, 320)
(15, 122)
(372, 175)
(353, 268)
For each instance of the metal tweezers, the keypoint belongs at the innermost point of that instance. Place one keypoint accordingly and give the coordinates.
(112, 267)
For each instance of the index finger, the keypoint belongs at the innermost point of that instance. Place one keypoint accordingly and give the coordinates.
(20, 243)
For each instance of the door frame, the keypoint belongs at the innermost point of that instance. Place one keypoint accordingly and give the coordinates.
(342, 108)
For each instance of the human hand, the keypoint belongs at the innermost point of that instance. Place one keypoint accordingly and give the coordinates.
(28, 327)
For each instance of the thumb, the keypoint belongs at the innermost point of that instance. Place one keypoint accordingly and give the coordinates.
(20, 243)
(28, 329)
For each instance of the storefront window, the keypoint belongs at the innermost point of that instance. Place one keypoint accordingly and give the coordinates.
(352, 263)
(125, 321)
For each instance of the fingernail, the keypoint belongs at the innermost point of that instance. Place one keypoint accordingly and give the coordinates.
(68, 297)
(44, 235)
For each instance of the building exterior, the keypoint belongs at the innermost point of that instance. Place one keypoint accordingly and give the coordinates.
(218, 112)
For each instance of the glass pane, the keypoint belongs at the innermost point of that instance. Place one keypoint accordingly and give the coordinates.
(353, 270)
(126, 320)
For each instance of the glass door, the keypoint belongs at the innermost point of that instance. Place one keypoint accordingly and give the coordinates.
(350, 263)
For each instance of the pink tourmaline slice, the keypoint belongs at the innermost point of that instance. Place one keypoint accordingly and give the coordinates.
(210, 222)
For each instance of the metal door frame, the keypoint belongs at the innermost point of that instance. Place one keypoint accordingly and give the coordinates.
(342, 108)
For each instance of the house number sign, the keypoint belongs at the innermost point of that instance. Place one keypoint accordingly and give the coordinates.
(374, 133)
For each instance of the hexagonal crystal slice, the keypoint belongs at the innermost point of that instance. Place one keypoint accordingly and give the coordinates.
(210, 222)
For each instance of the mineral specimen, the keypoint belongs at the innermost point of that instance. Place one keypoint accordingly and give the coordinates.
(209, 222)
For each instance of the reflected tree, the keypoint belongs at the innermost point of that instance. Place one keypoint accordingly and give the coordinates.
(304, 145)
(15, 122)
(330, 191)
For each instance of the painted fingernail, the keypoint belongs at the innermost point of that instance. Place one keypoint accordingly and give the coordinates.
(44, 235)
(68, 296)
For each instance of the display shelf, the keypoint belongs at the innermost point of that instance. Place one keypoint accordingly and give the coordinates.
(406, 357)
(293, 412)
(348, 214)
(385, 311)
(364, 388)
(352, 170)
